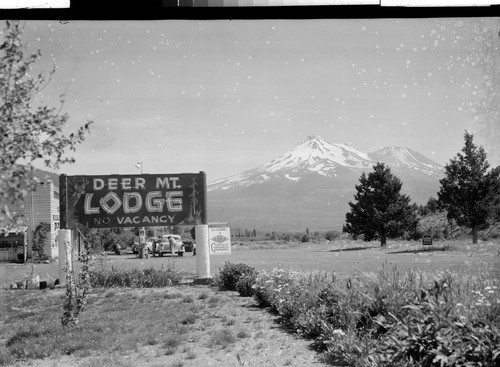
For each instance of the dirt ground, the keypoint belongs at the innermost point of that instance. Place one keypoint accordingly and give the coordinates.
(259, 340)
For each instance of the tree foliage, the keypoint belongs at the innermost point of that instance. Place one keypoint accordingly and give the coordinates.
(29, 131)
(40, 236)
(469, 192)
(380, 210)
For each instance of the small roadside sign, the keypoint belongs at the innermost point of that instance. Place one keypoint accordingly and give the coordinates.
(142, 236)
(427, 240)
(219, 240)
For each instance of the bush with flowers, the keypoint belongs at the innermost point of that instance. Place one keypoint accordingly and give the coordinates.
(390, 319)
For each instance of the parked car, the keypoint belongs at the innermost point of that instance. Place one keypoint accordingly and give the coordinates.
(168, 244)
(189, 245)
(149, 245)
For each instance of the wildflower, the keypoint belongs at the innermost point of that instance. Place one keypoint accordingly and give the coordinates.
(338, 332)
(459, 305)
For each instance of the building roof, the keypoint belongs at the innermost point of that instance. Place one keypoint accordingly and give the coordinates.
(9, 231)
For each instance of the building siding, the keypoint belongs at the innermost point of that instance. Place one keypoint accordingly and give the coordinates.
(40, 206)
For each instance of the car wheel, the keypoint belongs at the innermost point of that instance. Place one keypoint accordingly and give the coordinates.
(180, 254)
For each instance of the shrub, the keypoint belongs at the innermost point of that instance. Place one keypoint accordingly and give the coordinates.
(230, 274)
(245, 284)
(433, 334)
(375, 318)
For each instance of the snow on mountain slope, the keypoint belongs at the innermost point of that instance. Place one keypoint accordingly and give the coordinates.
(404, 157)
(311, 155)
(316, 155)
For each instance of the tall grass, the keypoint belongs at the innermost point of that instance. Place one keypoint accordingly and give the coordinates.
(102, 274)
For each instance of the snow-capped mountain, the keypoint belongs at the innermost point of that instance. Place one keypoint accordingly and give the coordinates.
(310, 186)
(404, 157)
(316, 155)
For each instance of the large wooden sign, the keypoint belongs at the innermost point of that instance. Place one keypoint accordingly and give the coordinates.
(132, 200)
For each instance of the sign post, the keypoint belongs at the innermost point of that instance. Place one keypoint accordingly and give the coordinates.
(202, 254)
(64, 241)
(145, 200)
(142, 242)
(201, 237)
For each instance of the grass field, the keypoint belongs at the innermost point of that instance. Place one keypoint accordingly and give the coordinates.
(200, 326)
(342, 257)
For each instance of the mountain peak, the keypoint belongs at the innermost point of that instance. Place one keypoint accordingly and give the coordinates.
(315, 155)
(398, 156)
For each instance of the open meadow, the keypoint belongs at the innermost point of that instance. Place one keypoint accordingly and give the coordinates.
(313, 304)
(344, 257)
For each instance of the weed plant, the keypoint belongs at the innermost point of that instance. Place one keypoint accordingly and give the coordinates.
(388, 318)
(222, 338)
(103, 275)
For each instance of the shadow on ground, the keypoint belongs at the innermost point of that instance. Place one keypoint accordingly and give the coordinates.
(422, 249)
(353, 249)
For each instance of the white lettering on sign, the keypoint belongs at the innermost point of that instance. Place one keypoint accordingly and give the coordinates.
(152, 219)
(116, 202)
(154, 202)
(87, 207)
(167, 183)
(127, 208)
(124, 182)
(132, 202)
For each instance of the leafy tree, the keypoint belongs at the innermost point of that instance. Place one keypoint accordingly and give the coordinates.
(469, 192)
(380, 210)
(432, 205)
(331, 235)
(28, 132)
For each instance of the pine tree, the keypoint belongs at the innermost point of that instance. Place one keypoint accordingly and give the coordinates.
(380, 210)
(469, 192)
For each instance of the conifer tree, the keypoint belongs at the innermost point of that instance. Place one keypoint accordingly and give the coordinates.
(470, 192)
(380, 210)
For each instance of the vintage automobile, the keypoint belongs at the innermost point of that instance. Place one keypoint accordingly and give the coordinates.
(168, 244)
(149, 245)
(189, 245)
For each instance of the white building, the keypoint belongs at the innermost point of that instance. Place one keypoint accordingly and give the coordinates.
(40, 206)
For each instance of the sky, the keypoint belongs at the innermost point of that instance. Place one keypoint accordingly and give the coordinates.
(224, 96)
